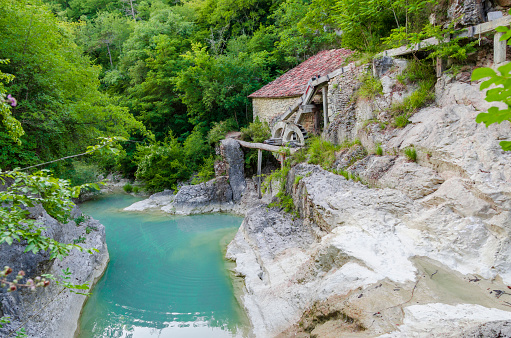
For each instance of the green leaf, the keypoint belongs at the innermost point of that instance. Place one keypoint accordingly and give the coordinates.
(506, 145)
(30, 247)
(505, 69)
(481, 73)
(487, 83)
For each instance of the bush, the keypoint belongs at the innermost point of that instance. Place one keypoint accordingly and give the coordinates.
(417, 71)
(136, 189)
(346, 174)
(370, 88)
(80, 219)
(128, 188)
(411, 154)
(297, 179)
(90, 229)
(196, 149)
(401, 121)
(162, 164)
(256, 131)
(322, 152)
(423, 74)
(81, 173)
(220, 129)
(298, 156)
(206, 171)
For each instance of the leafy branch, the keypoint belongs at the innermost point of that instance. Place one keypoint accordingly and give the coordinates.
(500, 93)
(29, 190)
(449, 43)
(66, 283)
(106, 145)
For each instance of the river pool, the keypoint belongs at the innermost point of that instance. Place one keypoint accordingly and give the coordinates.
(166, 278)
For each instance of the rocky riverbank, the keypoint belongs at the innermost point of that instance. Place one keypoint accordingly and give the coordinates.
(53, 311)
(422, 249)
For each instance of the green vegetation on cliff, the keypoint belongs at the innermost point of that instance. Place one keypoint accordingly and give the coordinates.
(147, 69)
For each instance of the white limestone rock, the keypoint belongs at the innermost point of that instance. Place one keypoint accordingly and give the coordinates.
(443, 320)
(155, 201)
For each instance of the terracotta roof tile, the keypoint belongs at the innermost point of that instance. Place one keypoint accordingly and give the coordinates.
(294, 82)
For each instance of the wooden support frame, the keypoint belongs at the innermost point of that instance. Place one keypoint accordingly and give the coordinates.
(314, 84)
(325, 106)
(469, 32)
(260, 147)
(259, 165)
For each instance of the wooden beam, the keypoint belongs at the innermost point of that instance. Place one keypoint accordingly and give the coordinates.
(262, 146)
(469, 32)
(485, 27)
(314, 84)
(325, 107)
(259, 164)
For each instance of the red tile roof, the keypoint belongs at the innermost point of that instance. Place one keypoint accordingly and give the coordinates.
(294, 82)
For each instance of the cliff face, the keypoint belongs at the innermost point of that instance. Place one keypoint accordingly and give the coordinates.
(52, 311)
(423, 249)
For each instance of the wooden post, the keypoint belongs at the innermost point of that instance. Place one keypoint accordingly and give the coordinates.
(325, 107)
(499, 48)
(259, 162)
(440, 66)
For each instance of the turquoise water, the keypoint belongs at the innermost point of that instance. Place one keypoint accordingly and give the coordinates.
(166, 276)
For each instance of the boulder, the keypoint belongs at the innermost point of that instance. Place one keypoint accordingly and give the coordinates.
(52, 311)
(233, 155)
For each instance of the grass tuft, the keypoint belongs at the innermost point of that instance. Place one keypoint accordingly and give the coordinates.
(411, 154)
(379, 150)
(371, 87)
(423, 74)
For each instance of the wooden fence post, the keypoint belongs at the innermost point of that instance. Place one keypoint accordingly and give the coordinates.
(499, 48)
(325, 107)
(259, 163)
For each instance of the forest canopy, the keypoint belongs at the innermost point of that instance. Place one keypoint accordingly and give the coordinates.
(159, 72)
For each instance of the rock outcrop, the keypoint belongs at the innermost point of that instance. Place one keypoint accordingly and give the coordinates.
(421, 250)
(53, 311)
(226, 193)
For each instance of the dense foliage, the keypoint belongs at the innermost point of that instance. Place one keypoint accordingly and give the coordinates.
(500, 93)
(60, 106)
(147, 69)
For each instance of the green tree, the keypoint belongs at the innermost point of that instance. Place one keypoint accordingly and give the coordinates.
(162, 164)
(104, 36)
(216, 88)
(60, 106)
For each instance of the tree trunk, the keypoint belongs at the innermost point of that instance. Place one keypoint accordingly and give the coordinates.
(109, 55)
(132, 10)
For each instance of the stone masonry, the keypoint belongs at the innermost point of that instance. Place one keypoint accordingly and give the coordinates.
(269, 108)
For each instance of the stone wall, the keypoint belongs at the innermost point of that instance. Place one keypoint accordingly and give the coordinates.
(341, 89)
(350, 114)
(269, 108)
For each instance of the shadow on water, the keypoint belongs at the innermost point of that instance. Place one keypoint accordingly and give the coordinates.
(167, 276)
